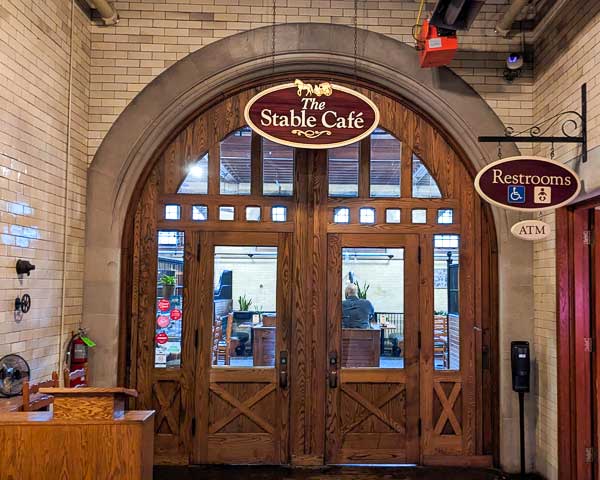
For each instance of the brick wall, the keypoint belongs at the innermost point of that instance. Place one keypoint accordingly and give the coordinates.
(42, 173)
(154, 34)
(43, 160)
(565, 57)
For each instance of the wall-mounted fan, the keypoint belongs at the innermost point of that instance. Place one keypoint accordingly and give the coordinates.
(14, 370)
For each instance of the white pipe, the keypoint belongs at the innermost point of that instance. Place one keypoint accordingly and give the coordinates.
(66, 217)
(107, 11)
(505, 23)
(545, 21)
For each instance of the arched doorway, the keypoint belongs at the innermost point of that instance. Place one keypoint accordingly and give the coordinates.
(229, 217)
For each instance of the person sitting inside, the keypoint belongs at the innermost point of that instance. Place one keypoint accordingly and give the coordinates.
(356, 312)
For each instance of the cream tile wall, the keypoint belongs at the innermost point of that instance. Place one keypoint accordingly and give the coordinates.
(565, 57)
(43, 161)
(64, 82)
(154, 34)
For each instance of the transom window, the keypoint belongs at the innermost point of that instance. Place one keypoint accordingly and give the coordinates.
(386, 155)
(196, 180)
(235, 169)
(378, 167)
(423, 184)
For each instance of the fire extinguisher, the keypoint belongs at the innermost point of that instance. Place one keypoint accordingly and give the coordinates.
(77, 354)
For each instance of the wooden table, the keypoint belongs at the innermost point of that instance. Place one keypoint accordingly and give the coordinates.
(37, 446)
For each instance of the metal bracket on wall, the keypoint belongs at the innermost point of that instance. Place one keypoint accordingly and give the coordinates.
(570, 121)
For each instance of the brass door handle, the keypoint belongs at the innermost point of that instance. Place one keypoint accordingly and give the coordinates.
(283, 369)
(333, 370)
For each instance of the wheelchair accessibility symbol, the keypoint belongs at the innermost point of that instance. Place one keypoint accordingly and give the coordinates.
(516, 194)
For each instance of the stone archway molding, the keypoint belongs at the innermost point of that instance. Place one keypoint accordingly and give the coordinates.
(199, 78)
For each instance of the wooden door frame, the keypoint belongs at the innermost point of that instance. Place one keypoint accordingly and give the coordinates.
(425, 138)
(574, 323)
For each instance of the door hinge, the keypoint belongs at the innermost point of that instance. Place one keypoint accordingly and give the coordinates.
(590, 455)
(193, 426)
(419, 427)
(419, 254)
(196, 339)
(587, 237)
(588, 344)
(198, 248)
(419, 340)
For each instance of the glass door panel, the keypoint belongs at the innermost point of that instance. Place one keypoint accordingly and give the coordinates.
(373, 307)
(245, 306)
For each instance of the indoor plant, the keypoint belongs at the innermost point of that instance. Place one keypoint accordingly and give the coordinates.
(243, 312)
(361, 292)
(168, 283)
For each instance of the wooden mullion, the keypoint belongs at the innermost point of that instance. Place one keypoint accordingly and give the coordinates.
(200, 279)
(256, 165)
(406, 172)
(364, 172)
(214, 169)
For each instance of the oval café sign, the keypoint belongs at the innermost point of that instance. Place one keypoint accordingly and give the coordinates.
(305, 115)
(527, 184)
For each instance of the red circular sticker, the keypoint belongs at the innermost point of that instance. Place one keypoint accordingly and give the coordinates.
(163, 321)
(162, 338)
(176, 314)
(164, 304)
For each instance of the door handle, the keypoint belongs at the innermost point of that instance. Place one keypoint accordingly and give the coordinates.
(283, 369)
(333, 370)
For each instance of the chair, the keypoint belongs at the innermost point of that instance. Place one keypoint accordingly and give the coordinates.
(360, 347)
(77, 377)
(222, 346)
(440, 339)
(42, 402)
(217, 333)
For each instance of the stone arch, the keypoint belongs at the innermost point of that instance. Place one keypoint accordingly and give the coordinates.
(219, 68)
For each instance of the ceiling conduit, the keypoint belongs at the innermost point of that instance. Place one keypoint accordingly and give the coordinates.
(106, 10)
(504, 25)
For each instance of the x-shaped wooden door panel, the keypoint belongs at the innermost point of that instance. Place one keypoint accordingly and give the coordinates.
(241, 408)
(447, 409)
(373, 409)
(165, 411)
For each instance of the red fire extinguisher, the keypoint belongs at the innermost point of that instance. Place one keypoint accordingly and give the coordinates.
(77, 355)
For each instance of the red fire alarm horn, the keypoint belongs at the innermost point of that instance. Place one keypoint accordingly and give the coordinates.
(435, 49)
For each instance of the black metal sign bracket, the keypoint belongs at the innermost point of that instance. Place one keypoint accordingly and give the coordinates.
(571, 123)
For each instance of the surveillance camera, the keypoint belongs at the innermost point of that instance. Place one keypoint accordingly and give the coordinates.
(514, 61)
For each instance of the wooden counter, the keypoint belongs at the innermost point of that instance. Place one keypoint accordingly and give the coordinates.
(37, 446)
(15, 404)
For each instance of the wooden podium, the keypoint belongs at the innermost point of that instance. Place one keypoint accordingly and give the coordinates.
(89, 403)
(88, 435)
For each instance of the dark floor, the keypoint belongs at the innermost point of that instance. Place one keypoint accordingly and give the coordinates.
(329, 473)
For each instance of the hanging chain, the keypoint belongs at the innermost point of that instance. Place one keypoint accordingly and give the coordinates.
(273, 39)
(499, 150)
(355, 39)
(552, 151)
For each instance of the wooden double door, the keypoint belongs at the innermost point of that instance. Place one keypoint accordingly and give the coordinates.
(300, 386)
(242, 404)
